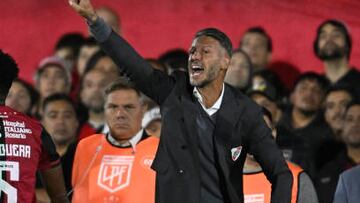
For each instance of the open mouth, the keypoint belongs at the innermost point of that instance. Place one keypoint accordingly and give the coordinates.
(196, 70)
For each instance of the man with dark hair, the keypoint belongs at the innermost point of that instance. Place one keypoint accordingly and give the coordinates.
(335, 102)
(68, 46)
(328, 176)
(305, 121)
(208, 126)
(175, 59)
(257, 43)
(88, 49)
(333, 46)
(100, 60)
(61, 121)
(336, 99)
(28, 148)
(91, 97)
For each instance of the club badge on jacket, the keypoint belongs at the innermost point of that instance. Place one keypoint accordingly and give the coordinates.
(235, 153)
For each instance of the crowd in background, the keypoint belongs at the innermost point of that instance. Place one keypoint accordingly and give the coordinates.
(317, 118)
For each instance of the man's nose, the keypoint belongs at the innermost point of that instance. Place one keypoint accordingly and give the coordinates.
(195, 56)
(60, 120)
(120, 113)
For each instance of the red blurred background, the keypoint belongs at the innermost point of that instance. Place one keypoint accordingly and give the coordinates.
(30, 28)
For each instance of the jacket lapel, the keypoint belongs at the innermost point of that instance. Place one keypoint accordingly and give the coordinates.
(226, 136)
(228, 116)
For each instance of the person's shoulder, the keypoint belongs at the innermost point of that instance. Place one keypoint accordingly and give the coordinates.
(353, 74)
(150, 140)
(355, 71)
(240, 96)
(352, 173)
(90, 139)
(149, 144)
(15, 116)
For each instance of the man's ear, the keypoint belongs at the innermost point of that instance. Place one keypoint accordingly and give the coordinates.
(226, 62)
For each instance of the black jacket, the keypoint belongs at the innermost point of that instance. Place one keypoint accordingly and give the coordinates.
(238, 123)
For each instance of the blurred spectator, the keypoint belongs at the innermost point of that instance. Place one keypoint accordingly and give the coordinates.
(264, 94)
(175, 59)
(152, 122)
(333, 46)
(257, 43)
(91, 95)
(329, 175)
(256, 186)
(61, 121)
(262, 76)
(111, 17)
(53, 76)
(239, 71)
(116, 166)
(348, 187)
(88, 49)
(68, 47)
(22, 97)
(99, 60)
(336, 99)
(305, 122)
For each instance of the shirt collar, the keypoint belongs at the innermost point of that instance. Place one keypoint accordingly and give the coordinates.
(132, 142)
(210, 111)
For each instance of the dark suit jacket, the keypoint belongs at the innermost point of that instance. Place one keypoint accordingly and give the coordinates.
(239, 122)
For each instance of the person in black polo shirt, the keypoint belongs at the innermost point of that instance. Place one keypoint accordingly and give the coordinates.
(305, 122)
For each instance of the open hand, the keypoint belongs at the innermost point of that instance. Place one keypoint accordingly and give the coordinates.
(84, 8)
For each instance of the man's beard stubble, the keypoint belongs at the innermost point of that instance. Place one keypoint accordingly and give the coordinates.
(308, 113)
(332, 53)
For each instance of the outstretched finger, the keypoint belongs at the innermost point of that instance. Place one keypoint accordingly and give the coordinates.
(75, 5)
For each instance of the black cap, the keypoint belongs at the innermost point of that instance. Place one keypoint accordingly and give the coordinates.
(264, 88)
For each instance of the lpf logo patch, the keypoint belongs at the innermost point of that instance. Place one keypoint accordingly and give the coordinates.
(115, 172)
(235, 153)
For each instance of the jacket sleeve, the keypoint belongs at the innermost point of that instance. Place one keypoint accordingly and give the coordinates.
(306, 190)
(155, 84)
(262, 145)
(340, 193)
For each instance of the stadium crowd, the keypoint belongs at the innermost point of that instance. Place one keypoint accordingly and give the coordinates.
(106, 131)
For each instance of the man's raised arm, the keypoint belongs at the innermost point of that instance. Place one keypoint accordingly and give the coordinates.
(153, 83)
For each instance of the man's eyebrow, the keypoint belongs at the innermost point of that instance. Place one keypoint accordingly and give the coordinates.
(52, 111)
